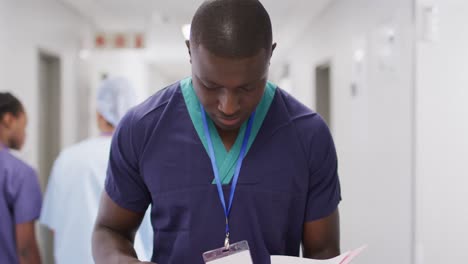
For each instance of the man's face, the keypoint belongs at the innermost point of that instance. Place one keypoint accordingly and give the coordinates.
(229, 89)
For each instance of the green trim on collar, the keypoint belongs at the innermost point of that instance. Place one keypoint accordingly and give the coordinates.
(225, 160)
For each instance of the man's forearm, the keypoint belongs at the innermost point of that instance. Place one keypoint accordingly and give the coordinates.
(321, 238)
(29, 254)
(327, 253)
(111, 247)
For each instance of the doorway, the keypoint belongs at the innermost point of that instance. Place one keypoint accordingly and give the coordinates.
(49, 133)
(322, 91)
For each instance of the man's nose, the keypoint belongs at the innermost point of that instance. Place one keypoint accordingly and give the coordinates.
(228, 103)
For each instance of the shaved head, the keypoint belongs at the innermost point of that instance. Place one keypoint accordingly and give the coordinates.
(230, 50)
(232, 28)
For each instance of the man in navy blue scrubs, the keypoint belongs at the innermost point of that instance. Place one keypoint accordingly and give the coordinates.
(223, 156)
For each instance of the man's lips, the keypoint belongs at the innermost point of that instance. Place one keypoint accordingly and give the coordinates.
(229, 121)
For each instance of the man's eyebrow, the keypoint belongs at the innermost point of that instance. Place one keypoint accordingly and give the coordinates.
(206, 81)
(212, 83)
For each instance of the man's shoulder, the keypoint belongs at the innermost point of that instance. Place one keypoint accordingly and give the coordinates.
(297, 111)
(140, 122)
(16, 166)
(155, 104)
(308, 123)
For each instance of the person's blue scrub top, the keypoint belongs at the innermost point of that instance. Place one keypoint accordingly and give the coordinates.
(288, 177)
(20, 201)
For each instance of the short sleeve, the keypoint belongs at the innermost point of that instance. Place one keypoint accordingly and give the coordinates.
(28, 197)
(124, 184)
(324, 193)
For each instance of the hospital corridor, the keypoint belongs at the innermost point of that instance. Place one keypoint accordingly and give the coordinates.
(233, 131)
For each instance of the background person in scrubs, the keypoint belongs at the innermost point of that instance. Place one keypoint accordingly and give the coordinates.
(20, 194)
(288, 189)
(77, 181)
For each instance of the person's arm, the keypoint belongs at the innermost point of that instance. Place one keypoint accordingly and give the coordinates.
(321, 228)
(114, 233)
(125, 198)
(27, 207)
(28, 251)
(321, 238)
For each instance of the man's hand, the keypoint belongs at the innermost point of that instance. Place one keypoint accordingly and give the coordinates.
(114, 233)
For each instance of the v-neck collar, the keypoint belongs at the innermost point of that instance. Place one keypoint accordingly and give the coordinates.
(226, 160)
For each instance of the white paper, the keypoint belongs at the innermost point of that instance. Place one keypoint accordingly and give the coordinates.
(243, 257)
(342, 259)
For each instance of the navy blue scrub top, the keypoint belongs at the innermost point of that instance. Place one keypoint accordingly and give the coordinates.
(288, 177)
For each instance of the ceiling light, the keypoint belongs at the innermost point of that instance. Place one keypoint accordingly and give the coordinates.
(186, 31)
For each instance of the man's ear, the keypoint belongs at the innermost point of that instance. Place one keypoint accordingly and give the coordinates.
(187, 43)
(7, 120)
(273, 47)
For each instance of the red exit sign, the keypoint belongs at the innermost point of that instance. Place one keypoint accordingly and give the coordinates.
(119, 41)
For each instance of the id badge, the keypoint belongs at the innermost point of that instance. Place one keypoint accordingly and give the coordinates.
(237, 253)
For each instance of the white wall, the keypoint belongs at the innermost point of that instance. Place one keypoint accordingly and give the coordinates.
(167, 71)
(158, 80)
(28, 26)
(130, 64)
(373, 131)
(442, 138)
(3, 23)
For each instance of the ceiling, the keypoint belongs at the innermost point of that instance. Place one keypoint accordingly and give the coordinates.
(162, 20)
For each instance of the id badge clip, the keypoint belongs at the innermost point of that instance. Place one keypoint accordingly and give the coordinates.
(232, 254)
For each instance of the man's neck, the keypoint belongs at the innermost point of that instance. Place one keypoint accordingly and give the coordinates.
(3, 141)
(228, 137)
